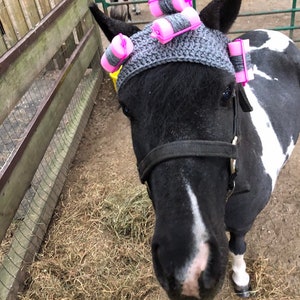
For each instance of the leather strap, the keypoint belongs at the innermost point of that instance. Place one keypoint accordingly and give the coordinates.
(184, 148)
(243, 99)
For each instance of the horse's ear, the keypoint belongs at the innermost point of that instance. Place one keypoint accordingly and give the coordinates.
(111, 27)
(220, 14)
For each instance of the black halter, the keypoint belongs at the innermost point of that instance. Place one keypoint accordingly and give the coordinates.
(198, 148)
(185, 148)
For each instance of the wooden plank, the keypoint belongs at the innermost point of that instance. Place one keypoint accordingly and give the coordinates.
(59, 59)
(25, 160)
(64, 52)
(3, 47)
(79, 32)
(30, 12)
(89, 19)
(29, 236)
(51, 65)
(9, 36)
(44, 6)
(53, 3)
(22, 70)
(17, 18)
(69, 46)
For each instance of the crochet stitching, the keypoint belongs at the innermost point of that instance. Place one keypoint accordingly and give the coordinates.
(203, 45)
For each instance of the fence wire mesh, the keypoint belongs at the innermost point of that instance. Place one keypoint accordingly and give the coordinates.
(27, 230)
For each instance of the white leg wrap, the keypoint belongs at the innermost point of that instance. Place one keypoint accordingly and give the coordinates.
(240, 276)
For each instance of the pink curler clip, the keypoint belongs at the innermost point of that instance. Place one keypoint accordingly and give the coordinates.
(119, 49)
(241, 61)
(160, 7)
(165, 29)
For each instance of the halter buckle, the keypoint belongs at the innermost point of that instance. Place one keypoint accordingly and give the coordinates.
(233, 160)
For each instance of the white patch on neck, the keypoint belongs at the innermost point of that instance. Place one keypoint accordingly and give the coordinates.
(276, 42)
(272, 157)
(197, 263)
(290, 148)
(261, 73)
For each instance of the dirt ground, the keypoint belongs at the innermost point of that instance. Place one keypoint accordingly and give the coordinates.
(79, 244)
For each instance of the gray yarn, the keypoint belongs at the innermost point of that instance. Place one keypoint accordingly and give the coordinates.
(167, 7)
(112, 59)
(238, 62)
(178, 22)
(203, 45)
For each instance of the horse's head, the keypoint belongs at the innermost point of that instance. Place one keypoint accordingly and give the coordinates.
(180, 99)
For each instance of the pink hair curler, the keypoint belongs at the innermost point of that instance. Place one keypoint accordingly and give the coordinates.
(160, 7)
(119, 49)
(165, 29)
(241, 61)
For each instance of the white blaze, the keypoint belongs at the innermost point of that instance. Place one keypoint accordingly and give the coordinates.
(199, 229)
(191, 272)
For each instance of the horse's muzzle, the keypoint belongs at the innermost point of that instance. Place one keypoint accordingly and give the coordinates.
(202, 279)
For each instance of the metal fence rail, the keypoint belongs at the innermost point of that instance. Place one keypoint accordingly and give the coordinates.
(290, 28)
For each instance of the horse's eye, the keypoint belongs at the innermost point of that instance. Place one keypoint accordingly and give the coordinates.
(226, 96)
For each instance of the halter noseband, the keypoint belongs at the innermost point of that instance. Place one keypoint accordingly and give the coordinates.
(184, 149)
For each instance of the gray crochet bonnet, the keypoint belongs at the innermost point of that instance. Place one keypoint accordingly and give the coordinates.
(203, 45)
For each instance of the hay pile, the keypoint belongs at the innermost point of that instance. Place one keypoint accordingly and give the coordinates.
(269, 281)
(99, 252)
(98, 246)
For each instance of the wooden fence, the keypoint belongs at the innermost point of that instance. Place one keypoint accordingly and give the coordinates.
(39, 156)
(19, 17)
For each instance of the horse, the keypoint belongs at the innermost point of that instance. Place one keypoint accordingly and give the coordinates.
(136, 9)
(121, 12)
(208, 148)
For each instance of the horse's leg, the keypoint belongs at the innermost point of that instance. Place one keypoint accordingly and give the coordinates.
(240, 277)
(136, 9)
(128, 13)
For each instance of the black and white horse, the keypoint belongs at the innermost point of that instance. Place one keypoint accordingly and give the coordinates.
(179, 108)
